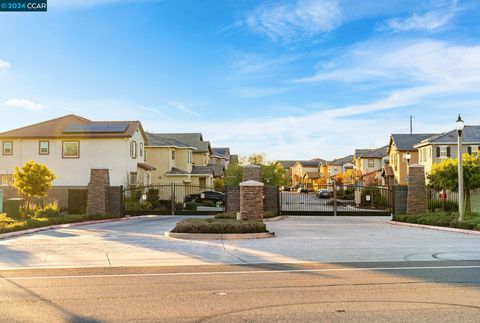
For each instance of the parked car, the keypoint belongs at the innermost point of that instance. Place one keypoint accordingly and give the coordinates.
(323, 193)
(303, 190)
(213, 196)
(287, 189)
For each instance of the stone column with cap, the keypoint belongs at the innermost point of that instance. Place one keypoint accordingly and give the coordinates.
(98, 191)
(417, 192)
(251, 200)
(251, 173)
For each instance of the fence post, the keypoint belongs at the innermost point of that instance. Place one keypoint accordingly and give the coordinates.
(173, 195)
(122, 204)
(334, 198)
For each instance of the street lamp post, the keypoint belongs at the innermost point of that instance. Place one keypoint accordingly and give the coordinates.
(461, 208)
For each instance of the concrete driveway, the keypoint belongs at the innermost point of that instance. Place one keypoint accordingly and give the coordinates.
(140, 242)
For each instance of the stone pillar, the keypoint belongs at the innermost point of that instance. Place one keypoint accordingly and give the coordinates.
(98, 191)
(400, 197)
(251, 200)
(417, 192)
(251, 173)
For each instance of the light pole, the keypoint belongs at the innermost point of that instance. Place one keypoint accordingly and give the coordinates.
(461, 209)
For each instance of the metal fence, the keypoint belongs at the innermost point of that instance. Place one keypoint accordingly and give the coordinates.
(172, 199)
(334, 199)
(444, 200)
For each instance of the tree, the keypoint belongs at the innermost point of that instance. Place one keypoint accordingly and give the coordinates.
(233, 175)
(444, 176)
(257, 159)
(32, 180)
(271, 174)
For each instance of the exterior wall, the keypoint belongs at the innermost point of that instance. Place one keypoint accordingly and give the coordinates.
(232, 198)
(111, 153)
(400, 165)
(271, 201)
(298, 171)
(161, 159)
(115, 200)
(428, 157)
(201, 159)
(362, 165)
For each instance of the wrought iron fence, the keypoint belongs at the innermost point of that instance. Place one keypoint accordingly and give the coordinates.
(172, 199)
(444, 200)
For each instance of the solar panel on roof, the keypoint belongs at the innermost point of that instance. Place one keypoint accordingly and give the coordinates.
(96, 128)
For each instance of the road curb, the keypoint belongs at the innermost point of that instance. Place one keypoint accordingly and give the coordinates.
(69, 225)
(432, 227)
(219, 236)
(275, 219)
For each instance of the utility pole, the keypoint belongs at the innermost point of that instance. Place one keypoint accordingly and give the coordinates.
(411, 124)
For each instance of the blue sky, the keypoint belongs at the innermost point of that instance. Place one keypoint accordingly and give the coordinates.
(294, 79)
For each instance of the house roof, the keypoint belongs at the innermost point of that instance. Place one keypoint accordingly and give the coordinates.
(177, 171)
(375, 153)
(221, 152)
(156, 140)
(361, 152)
(309, 163)
(313, 175)
(342, 161)
(146, 167)
(286, 163)
(406, 141)
(319, 160)
(202, 170)
(73, 126)
(194, 140)
(470, 134)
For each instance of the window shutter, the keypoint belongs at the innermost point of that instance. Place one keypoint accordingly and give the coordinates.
(469, 150)
(438, 151)
(448, 151)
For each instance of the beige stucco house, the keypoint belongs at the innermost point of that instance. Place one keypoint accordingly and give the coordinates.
(439, 147)
(301, 168)
(400, 145)
(180, 162)
(370, 162)
(71, 146)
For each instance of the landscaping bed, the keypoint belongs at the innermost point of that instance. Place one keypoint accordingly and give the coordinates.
(233, 215)
(219, 226)
(442, 219)
(11, 224)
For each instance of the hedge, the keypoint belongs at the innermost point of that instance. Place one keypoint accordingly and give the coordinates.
(219, 226)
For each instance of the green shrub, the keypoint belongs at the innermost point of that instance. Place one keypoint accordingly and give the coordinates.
(219, 226)
(47, 210)
(450, 206)
(191, 206)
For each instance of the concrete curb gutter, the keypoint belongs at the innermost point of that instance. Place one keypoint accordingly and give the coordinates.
(68, 225)
(275, 219)
(432, 227)
(219, 236)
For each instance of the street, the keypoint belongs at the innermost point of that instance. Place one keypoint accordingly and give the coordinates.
(361, 292)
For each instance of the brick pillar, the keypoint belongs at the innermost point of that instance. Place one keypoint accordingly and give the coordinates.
(400, 196)
(98, 191)
(417, 192)
(251, 173)
(251, 200)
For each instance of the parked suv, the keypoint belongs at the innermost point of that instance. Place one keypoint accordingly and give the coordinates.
(205, 196)
(323, 193)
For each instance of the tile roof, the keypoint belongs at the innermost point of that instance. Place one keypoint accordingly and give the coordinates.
(376, 153)
(146, 167)
(309, 163)
(342, 161)
(313, 175)
(221, 152)
(177, 171)
(218, 170)
(470, 134)
(77, 127)
(202, 170)
(406, 141)
(286, 163)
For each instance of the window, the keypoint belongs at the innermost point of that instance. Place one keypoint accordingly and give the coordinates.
(6, 180)
(133, 149)
(444, 151)
(43, 147)
(71, 149)
(189, 156)
(133, 178)
(371, 163)
(173, 154)
(8, 147)
(141, 149)
(430, 152)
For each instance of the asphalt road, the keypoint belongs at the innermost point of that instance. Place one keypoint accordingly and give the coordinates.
(422, 291)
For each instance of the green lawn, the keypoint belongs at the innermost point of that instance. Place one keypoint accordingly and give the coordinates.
(10, 224)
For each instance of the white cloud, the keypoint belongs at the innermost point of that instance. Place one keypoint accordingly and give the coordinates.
(287, 22)
(182, 107)
(430, 20)
(25, 104)
(4, 65)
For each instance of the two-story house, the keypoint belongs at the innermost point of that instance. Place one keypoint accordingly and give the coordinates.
(179, 162)
(300, 169)
(343, 166)
(400, 147)
(71, 146)
(370, 162)
(437, 148)
(287, 166)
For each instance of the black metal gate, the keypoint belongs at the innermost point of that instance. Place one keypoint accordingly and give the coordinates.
(171, 199)
(334, 200)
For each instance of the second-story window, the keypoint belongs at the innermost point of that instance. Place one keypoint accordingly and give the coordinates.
(7, 147)
(173, 155)
(141, 149)
(43, 147)
(371, 163)
(189, 156)
(133, 149)
(71, 149)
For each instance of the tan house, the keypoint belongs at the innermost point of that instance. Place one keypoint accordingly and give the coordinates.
(399, 148)
(287, 166)
(174, 160)
(437, 148)
(71, 146)
(300, 169)
(370, 162)
(342, 165)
